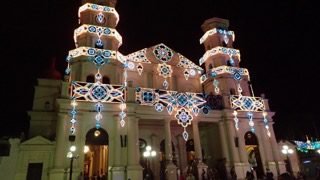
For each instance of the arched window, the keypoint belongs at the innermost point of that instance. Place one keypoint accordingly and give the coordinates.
(90, 78)
(105, 80)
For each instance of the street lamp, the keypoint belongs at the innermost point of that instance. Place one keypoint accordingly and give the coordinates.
(71, 155)
(149, 153)
(286, 151)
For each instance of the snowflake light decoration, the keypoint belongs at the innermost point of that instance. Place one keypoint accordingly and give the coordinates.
(247, 103)
(97, 92)
(184, 119)
(213, 31)
(185, 104)
(163, 53)
(220, 50)
(164, 70)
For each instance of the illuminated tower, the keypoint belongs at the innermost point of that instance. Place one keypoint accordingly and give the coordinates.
(245, 127)
(222, 61)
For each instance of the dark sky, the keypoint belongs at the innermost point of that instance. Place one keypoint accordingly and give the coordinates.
(277, 41)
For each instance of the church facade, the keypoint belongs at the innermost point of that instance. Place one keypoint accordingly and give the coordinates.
(110, 107)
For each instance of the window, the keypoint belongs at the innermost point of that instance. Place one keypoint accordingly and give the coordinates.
(90, 78)
(105, 80)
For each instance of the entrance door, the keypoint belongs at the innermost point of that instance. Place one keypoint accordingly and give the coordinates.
(254, 158)
(96, 154)
(34, 171)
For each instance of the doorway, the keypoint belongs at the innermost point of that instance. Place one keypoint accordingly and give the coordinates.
(254, 158)
(96, 154)
(34, 171)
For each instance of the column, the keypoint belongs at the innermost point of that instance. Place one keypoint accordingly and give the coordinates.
(231, 137)
(61, 150)
(154, 161)
(223, 138)
(265, 143)
(242, 145)
(134, 170)
(275, 150)
(171, 169)
(118, 170)
(243, 154)
(198, 150)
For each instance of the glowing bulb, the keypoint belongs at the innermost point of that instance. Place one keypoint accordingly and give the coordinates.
(74, 103)
(148, 148)
(69, 155)
(123, 106)
(153, 153)
(73, 148)
(290, 151)
(86, 149)
(235, 113)
(131, 65)
(192, 72)
(97, 133)
(146, 154)
(318, 151)
(284, 151)
(264, 114)
(285, 147)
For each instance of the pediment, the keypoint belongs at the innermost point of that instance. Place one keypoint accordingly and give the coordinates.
(38, 140)
(161, 53)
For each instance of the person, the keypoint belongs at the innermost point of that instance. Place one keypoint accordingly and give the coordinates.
(284, 176)
(233, 173)
(269, 174)
(249, 175)
(204, 175)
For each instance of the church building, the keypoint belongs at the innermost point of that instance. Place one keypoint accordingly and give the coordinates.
(152, 113)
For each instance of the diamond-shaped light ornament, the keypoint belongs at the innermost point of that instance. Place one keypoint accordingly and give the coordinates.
(185, 135)
(186, 74)
(165, 84)
(122, 123)
(139, 68)
(169, 108)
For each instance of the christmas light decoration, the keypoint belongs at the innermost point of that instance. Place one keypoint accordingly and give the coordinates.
(216, 86)
(91, 52)
(266, 125)
(73, 114)
(214, 31)
(247, 103)
(99, 31)
(203, 78)
(307, 146)
(220, 50)
(163, 53)
(101, 11)
(236, 120)
(251, 123)
(185, 104)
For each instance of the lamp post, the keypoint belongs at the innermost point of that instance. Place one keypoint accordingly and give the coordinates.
(71, 155)
(287, 151)
(149, 153)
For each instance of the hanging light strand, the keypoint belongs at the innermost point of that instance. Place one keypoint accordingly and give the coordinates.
(73, 114)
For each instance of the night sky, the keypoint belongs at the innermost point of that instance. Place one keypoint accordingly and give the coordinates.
(277, 41)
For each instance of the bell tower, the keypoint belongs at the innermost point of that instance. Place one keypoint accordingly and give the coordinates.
(97, 42)
(223, 75)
